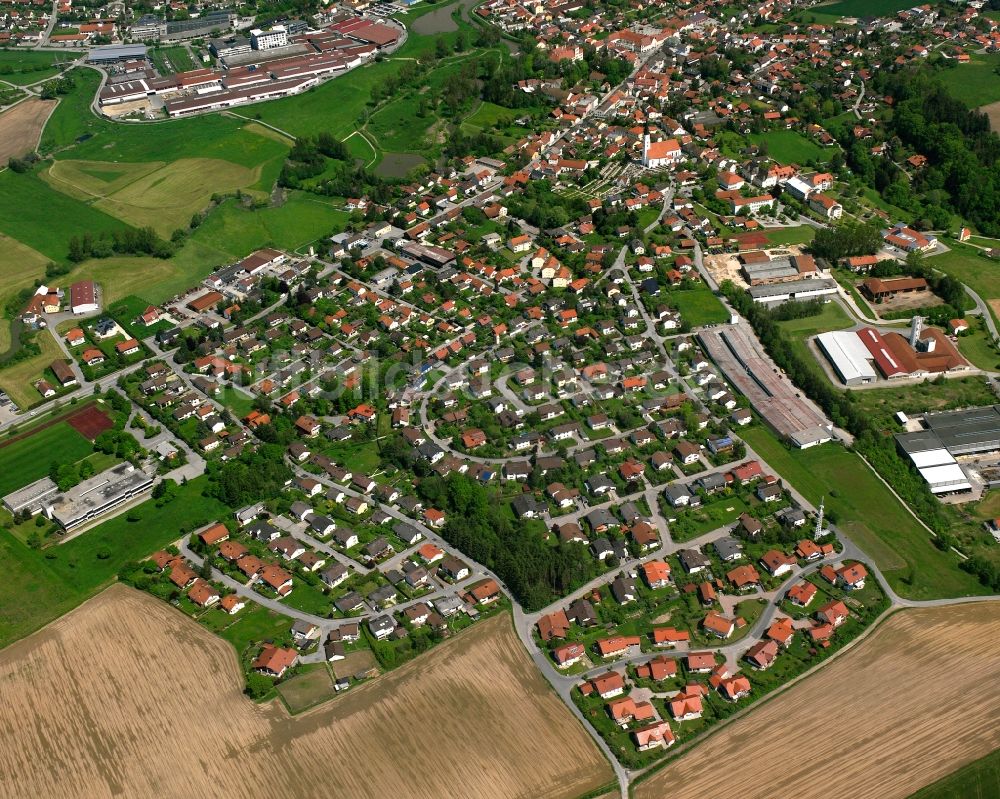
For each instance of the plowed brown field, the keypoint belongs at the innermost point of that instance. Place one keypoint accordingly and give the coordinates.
(21, 126)
(126, 697)
(910, 704)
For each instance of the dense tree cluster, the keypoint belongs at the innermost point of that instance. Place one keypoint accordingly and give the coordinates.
(308, 158)
(130, 241)
(963, 153)
(845, 241)
(251, 477)
(536, 572)
(540, 206)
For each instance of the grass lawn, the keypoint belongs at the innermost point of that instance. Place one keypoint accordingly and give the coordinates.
(788, 146)
(979, 272)
(866, 511)
(864, 8)
(334, 106)
(488, 115)
(40, 586)
(980, 779)
(975, 83)
(977, 347)
(44, 219)
(358, 457)
(239, 404)
(29, 66)
(168, 60)
(698, 306)
(161, 196)
(17, 378)
(80, 135)
(832, 317)
(29, 459)
(20, 266)
(255, 623)
(803, 234)
(300, 221)
(711, 516)
(965, 392)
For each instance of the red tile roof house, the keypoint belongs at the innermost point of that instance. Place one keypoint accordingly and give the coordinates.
(616, 646)
(568, 655)
(700, 662)
(274, 661)
(781, 632)
(801, 594)
(835, 613)
(181, 574)
(129, 347)
(215, 534)
(655, 735)
(668, 636)
(852, 577)
(656, 573)
(277, 578)
(553, 625)
(203, 594)
(719, 625)
(232, 604)
(485, 591)
(92, 356)
(686, 705)
(608, 685)
(762, 654)
(626, 709)
(735, 688)
(778, 563)
(658, 668)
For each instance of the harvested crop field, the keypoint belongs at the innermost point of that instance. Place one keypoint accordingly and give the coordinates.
(910, 704)
(124, 696)
(21, 126)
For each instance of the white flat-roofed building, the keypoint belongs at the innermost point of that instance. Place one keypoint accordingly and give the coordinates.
(270, 39)
(32, 497)
(97, 495)
(848, 356)
(945, 479)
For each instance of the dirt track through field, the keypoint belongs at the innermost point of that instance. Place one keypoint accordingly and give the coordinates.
(126, 697)
(912, 703)
(993, 112)
(21, 126)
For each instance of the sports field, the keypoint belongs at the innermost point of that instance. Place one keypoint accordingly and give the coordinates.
(890, 535)
(863, 719)
(21, 126)
(27, 460)
(472, 718)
